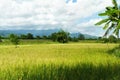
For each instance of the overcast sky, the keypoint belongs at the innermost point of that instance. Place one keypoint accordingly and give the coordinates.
(70, 15)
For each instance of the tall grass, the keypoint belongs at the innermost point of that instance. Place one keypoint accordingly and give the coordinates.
(79, 71)
(59, 62)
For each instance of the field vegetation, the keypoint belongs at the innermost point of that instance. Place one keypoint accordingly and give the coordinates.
(55, 61)
(62, 57)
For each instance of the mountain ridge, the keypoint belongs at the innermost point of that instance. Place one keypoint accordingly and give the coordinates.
(41, 33)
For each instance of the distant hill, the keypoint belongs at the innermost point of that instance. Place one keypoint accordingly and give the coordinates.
(86, 36)
(34, 32)
(40, 33)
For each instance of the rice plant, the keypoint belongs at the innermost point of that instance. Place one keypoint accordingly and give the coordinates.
(83, 61)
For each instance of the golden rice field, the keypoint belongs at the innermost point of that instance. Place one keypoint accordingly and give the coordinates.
(73, 61)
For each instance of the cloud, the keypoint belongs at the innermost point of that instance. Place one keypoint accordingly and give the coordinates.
(43, 14)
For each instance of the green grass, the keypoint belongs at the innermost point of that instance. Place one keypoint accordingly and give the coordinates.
(42, 41)
(28, 41)
(73, 61)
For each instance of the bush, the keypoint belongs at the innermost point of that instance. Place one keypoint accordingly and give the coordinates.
(112, 39)
(115, 51)
(14, 39)
(60, 36)
(30, 36)
(75, 39)
(81, 37)
(0, 39)
(23, 36)
(105, 40)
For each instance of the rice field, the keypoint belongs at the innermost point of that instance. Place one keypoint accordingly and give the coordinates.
(73, 61)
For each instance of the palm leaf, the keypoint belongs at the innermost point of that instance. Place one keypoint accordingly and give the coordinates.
(109, 8)
(108, 30)
(116, 31)
(106, 25)
(118, 26)
(102, 14)
(112, 11)
(113, 14)
(102, 21)
(115, 4)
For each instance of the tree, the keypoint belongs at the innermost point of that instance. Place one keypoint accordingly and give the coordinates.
(112, 22)
(54, 36)
(23, 36)
(38, 37)
(105, 40)
(99, 38)
(62, 36)
(44, 37)
(30, 36)
(0, 39)
(112, 39)
(75, 39)
(14, 39)
(81, 37)
(69, 38)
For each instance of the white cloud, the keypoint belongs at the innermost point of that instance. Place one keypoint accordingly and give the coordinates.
(48, 12)
(91, 22)
(89, 28)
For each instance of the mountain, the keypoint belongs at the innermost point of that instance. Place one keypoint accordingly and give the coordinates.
(41, 33)
(86, 35)
(34, 32)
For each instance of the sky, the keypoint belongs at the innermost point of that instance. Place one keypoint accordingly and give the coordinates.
(69, 15)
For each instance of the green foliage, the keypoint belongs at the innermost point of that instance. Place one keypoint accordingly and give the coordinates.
(81, 37)
(23, 36)
(102, 14)
(115, 3)
(44, 37)
(99, 38)
(115, 51)
(113, 19)
(59, 62)
(106, 25)
(29, 36)
(60, 36)
(0, 39)
(102, 21)
(112, 39)
(38, 37)
(63, 72)
(74, 39)
(14, 39)
(105, 40)
(54, 36)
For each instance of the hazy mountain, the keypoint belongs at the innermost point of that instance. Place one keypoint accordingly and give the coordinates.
(34, 32)
(40, 33)
(86, 35)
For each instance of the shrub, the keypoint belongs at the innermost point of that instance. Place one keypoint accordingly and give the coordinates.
(0, 39)
(14, 39)
(115, 51)
(112, 39)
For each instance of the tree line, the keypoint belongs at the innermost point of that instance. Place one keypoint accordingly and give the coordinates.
(110, 39)
(60, 36)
